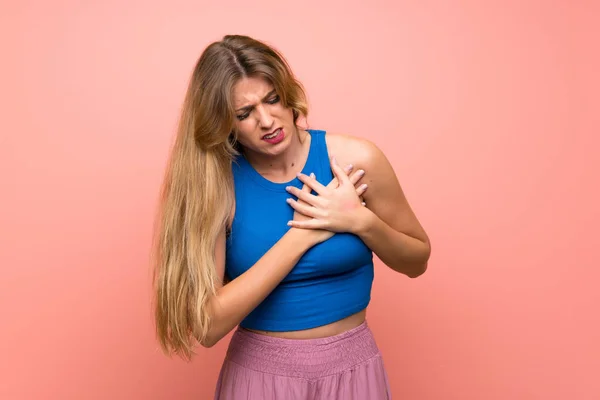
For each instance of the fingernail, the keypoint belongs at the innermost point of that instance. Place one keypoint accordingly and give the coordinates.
(288, 201)
(360, 172)
(289, 223)
(364, 204)
(364, 186)
(312, 175)
(349, 167)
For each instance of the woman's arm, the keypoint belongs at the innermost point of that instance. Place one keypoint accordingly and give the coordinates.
(235, 300)
(398, 250)
(387, 225)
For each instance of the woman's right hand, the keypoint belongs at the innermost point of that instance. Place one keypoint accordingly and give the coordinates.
(321, 235)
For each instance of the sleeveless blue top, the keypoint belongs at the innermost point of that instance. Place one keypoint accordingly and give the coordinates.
(331, 281)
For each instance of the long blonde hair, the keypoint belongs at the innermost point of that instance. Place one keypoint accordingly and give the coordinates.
(197, 195)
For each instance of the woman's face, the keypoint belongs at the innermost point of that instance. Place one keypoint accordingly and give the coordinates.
(262, 123)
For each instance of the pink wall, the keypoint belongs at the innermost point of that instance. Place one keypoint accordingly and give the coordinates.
(486, 110)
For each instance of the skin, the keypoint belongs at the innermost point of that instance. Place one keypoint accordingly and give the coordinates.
(386, 224)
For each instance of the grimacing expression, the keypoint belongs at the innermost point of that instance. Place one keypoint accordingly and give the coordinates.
(262, 123)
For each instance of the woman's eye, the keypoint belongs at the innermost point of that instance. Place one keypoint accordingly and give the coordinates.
(242, 117)
(273, 100)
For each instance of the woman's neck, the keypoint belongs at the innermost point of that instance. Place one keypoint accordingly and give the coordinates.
(283, 167)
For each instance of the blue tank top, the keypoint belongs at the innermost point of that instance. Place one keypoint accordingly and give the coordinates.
(331, 281)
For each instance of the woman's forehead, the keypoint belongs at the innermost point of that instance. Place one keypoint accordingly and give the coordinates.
(250, 90)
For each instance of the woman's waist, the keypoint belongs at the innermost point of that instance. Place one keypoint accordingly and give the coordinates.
(306, 358)
(311, 311)
(324, 331)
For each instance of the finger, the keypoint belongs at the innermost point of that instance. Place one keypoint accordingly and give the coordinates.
(362, 189)
(312, 183)
(305, 187)
(307, 224)
(338, 172)
(362, 200)
(304, 209)
(334, 182)
(357, 176)
(303, 195)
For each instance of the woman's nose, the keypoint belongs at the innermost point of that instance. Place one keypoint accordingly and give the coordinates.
(264, 117)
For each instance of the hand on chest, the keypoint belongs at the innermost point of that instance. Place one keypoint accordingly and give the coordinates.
(258, 227)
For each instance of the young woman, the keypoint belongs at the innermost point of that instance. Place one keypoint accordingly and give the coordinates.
(261, 228)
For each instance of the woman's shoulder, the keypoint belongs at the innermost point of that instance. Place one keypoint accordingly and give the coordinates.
(352, 149)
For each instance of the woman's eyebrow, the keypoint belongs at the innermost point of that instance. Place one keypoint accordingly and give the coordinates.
(249, 107)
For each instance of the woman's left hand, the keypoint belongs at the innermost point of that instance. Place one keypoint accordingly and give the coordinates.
(336, 209)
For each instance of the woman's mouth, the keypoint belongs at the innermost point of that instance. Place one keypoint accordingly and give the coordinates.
(275, 137)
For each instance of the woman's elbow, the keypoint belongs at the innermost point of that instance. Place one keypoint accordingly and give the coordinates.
(215, 333)
(416, 270)
(207, 343)
(209, 340)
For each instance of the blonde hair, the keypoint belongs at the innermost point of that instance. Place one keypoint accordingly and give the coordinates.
(197, 195)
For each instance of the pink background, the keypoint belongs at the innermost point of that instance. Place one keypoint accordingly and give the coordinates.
(488, 110)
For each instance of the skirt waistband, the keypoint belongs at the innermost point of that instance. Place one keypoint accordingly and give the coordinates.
(302, 358)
